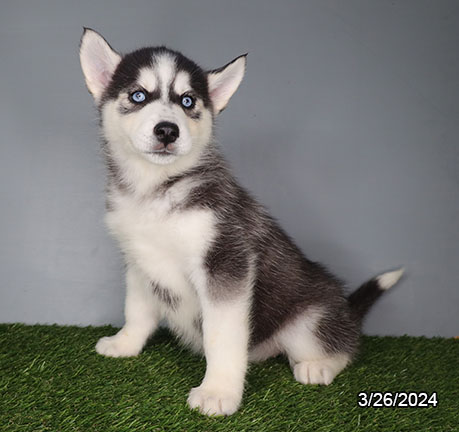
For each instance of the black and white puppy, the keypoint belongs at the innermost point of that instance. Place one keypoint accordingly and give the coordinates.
(201, 253)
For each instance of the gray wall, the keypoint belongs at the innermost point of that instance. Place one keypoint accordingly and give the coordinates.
(346, 127)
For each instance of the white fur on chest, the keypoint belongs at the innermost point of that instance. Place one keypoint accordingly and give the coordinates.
(169, 245)
(159, 235)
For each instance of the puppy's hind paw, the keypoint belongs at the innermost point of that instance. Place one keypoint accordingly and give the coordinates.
(312, 373)
(321, 371)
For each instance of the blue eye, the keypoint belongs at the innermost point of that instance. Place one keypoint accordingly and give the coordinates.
(187, 102)
(138, 97)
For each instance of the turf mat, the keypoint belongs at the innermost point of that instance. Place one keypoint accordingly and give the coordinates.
(51, 379)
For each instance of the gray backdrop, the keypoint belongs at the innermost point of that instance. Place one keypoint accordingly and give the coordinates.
(345, 127)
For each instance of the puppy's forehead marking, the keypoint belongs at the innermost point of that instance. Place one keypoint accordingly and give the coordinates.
(165, 71)
(182, 83)
(147, 79)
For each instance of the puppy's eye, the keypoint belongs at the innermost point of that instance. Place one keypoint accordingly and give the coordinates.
(187, 102)
(138, 97)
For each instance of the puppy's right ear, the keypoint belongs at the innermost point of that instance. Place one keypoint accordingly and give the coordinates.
(98, 61)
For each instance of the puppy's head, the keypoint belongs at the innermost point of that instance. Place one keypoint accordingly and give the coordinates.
(155, 102)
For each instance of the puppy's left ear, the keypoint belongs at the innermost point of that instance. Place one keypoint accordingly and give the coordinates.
(224, 82)
(98, 61)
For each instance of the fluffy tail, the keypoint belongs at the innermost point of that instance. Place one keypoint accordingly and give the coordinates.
(363, 298)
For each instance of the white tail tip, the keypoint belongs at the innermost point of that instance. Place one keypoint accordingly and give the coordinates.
(389, 279)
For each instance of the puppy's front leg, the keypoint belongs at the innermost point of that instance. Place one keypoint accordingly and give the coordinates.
(226, 338)
(142, 318)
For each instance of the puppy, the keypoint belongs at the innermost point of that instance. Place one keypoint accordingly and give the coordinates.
(201, 254)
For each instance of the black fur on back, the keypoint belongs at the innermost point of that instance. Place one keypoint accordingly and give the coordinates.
(286, 283)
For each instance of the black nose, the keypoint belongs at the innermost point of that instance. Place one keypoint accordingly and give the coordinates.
(166, 132)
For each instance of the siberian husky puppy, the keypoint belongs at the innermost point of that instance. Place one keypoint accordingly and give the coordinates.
(201, 253)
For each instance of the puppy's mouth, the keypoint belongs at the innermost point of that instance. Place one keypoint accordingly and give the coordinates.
(160, 149)
(163, 151)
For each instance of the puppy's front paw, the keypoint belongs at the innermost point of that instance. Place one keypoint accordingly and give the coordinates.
(214, 401)
(117, 346)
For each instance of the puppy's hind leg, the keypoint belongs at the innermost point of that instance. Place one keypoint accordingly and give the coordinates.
(311, 360)
(142, 317)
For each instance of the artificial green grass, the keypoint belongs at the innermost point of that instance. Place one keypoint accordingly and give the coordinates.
(53, 380)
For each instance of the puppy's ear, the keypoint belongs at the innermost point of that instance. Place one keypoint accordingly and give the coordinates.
(224, 82)
(98, 61)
